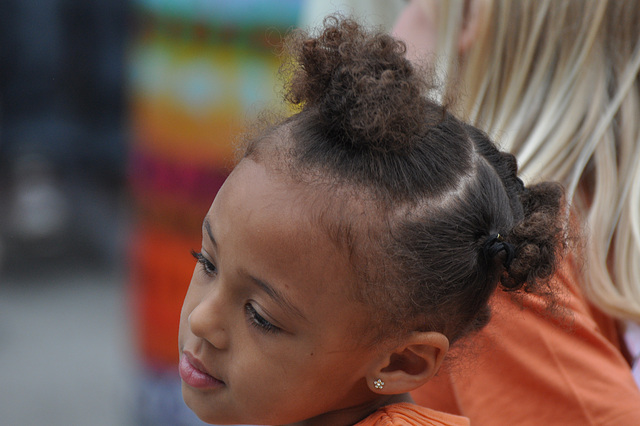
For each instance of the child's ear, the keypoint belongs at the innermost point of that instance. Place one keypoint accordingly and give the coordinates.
(410, 364)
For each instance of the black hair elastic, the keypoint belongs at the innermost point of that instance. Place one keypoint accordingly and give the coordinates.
(495, 244)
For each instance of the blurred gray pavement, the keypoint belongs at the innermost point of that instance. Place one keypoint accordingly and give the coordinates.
(66, 353)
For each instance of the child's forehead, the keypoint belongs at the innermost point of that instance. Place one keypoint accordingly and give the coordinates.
(252, 182)
(261, 195)
(341, 218)
(317, 209)
(311, 191)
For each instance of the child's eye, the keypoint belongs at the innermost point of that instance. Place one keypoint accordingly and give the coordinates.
(258, 320)
(209, 268)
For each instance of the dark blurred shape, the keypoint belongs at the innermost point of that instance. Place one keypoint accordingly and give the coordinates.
(62, 131)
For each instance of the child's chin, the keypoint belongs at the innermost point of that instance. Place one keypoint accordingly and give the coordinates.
(215, 418)
(204, 407)
(200, 408)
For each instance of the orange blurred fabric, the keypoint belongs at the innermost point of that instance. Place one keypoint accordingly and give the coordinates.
(533, 367)
(406, 414)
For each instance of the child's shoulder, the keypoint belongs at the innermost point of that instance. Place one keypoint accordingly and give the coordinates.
(406, 414)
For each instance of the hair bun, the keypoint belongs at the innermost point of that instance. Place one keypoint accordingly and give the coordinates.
(363, 88)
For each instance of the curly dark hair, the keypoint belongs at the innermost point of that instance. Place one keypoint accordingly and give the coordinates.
(446, 218)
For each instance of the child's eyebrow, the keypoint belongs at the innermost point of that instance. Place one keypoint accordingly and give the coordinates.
(279, 298)
(207, 227)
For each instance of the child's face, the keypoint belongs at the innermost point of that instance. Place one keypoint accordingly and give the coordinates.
(268, 320)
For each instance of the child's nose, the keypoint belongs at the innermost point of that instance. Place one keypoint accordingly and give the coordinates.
(207, 321)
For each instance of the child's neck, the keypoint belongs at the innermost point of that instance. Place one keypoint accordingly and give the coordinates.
(352, 415)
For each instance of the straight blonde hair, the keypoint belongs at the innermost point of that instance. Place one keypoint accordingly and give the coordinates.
(556, 82)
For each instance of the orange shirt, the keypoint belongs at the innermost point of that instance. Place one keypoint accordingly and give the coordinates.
(406, 414)
(529, 367)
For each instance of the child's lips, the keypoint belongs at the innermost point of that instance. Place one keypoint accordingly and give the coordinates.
(194, 374)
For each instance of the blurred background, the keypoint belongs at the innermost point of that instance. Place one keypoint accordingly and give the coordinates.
(117, 122)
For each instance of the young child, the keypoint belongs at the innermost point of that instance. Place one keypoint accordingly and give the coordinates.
(352, 244)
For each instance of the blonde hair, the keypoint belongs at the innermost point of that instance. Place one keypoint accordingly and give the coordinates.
(556, 82)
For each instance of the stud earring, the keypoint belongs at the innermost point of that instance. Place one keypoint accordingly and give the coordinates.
(378, 384)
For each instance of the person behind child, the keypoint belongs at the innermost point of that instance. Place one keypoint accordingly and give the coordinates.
(353, 242)
(557, 83)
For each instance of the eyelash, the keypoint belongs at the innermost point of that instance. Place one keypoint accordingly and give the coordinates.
(256, 320)
(209, 268)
